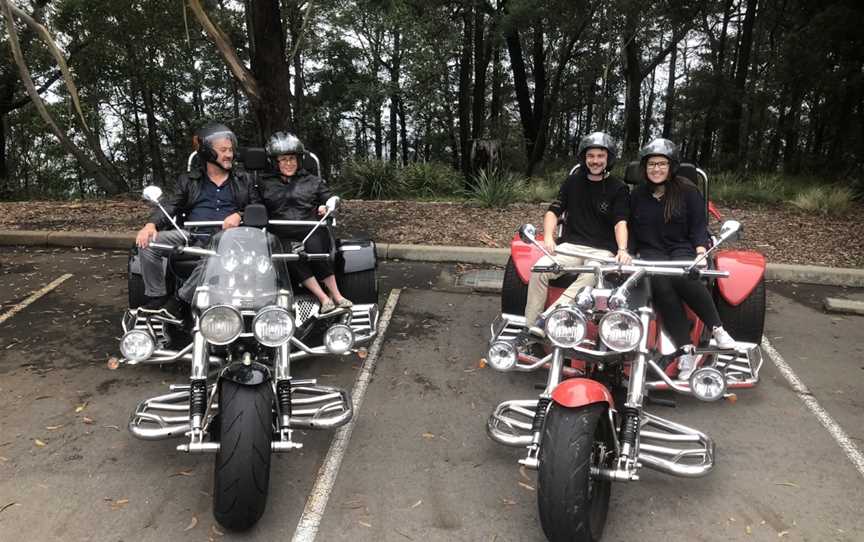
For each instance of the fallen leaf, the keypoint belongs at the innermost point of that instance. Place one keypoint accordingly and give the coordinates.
(416, 504)
(81, 407)
(781, 534)
(482, 363)
(114, 427)
(113, 363)
(363, 523)
(748, 530)
(53, 427)
(187, 472)
(39, 443)
(508, 502)
(526, 486)
(87, 420)
(3, 459)
(787, 484)
(117, 505)
(216, 531)
(192, 523)
(10, 505)
(523, 473)
(362, 353)
(428, 436)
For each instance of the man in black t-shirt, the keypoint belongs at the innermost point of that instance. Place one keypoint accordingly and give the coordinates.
(597, 207)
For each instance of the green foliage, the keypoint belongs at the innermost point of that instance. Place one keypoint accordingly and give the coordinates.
(430, 179)
(494, 189)
(369, 179)
(728, 187)
(826, 200)
(542, 189)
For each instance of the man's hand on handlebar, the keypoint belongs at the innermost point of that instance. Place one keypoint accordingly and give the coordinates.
(549, 243)
(321, 210)
(623, 257)
(231, 221)
(145, 235)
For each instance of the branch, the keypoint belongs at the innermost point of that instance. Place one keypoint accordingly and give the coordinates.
(229, 54)
(45, 86)
(306, 19)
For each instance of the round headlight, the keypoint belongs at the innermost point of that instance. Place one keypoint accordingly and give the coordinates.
(273, 326)
(566, 327)
(501, 356)
(137, 345)
(221, 324)
(708, 384)
(339, 339)
(620, 331)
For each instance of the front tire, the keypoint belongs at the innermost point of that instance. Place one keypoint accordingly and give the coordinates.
(242, 470)
(573, 505)
(514, 292)
(746, 321)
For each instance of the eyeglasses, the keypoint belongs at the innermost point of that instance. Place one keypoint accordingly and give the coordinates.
(287, 158)
(657, 165)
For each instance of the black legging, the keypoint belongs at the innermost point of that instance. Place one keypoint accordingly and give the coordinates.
(668, 292)
(318, 243)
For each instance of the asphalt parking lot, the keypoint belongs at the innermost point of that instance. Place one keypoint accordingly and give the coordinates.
(419, 465)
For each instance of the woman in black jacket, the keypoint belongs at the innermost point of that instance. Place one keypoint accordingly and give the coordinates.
(668, 223)
(292, 193)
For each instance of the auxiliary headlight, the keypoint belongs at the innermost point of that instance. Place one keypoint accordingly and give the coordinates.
(566, 327)
(501, 356)
(221, 324)
(708, 384)
(339, 339)
(621, 330)
(273, 326)
(137, 345)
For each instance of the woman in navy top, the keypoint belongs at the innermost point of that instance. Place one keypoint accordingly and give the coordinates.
(668, 223)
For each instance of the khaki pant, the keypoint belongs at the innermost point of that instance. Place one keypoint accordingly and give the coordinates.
(538, 285)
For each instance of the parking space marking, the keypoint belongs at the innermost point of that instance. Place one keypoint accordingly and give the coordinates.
(307, 527)
(33, 297)
(849, 448)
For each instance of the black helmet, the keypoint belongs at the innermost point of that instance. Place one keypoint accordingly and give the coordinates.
(284, 143)
(598, 140)
(207, 135)
(661, 147)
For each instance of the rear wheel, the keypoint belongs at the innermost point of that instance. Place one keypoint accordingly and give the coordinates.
(360, 287)
(514, 292)
(573, 505)
(745, 321)
(242, 470)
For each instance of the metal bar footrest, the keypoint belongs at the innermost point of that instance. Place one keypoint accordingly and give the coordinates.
(511, 422)
(741, 367)
(506, 327)
(161, 417)
(364, 321)
(674, 448)
(319, 407)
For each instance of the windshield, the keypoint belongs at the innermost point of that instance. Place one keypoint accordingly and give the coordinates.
(242, 274)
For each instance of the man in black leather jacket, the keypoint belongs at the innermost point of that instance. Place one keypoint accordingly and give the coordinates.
(211, 192)
(292, 193)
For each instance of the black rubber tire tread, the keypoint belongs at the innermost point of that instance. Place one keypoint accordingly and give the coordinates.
(566, 513)
(242, 468)
(514, 292)
(137, 297)
(360, 287)
(745, 322)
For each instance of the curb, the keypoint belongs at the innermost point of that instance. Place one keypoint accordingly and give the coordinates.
(807, 274)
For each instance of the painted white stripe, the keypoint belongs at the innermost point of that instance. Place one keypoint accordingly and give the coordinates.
(33, 297)
(307, 527)
(846, 444)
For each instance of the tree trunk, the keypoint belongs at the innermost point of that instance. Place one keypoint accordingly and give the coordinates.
(632, 76)
(394, 96)
(377, 128)
(668, 112)
(497, 83)
(482, 56)
(403, 131)
(649, 110)
(732, 135)
(153, 138)
(270, 69)
(706, 150)
(465, 91)
(520, 82)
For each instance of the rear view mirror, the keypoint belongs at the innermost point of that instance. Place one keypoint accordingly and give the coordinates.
(331, 203)
(152, 194)
(731, 230)
(528, 233)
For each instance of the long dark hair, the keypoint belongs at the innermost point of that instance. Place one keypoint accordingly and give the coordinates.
(676, 186)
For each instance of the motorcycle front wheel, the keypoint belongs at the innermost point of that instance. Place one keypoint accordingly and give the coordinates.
(573, 505)
(242, 470)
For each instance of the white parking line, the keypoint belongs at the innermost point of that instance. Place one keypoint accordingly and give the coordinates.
(33, 297)
(852, 452)
(307, 527)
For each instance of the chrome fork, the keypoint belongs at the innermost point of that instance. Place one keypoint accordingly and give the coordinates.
(532, 460)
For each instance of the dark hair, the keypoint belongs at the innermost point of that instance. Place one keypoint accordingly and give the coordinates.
(676, 187)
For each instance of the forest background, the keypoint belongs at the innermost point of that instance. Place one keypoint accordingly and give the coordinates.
(409, 99)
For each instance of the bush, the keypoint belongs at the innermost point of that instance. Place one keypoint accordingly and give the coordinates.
(541, 189)
(430, 179)
(369, 179)
(730, 187)
(828, 200)
(494, 188)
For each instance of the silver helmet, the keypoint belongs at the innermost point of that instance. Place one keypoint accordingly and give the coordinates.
(598, 140)
(661, 147)
(210, 133)
(284, 143)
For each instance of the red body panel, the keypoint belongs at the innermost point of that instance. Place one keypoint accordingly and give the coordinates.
(524, 256)
(576, 392)
(746, 270)
(712, 210)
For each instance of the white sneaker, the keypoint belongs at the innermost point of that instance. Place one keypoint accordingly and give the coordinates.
(686, 366)
(723, 339)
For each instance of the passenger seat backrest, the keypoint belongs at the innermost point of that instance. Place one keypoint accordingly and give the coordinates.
(633, 174)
